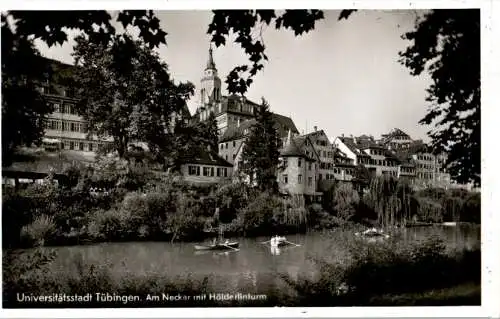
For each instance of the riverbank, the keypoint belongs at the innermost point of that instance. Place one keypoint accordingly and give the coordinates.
(143, 208)
(466, 294)
(395, 271)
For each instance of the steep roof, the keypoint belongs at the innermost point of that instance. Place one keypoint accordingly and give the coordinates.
(210, 62)
(314, 136)
(203, 156)
(396, 132)
(299, 147)
(353, 147)
(282, 125)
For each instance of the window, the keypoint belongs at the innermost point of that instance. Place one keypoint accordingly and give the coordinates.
(225, 172)
(68, 92)
(72, 127)
(310, 166)
(285, 178)
(300, 163)
(310, 181)
(81, 146)
(285, 162)
(51, 125)
(219, 171)
(300, 179)
(206, 171)
(234, 143)
(192, 170)
(320, 177)
(211, 171)
(226, 145)
(221, 146)
(71, 145)
(91, 146)
(226, 157)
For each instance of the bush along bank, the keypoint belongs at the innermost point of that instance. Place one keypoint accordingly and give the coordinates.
(372, 274)
(132, 204)
(141, 207)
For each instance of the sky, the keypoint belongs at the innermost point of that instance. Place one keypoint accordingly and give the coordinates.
(343, 77)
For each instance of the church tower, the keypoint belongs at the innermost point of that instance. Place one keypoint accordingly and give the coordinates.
(210, 88)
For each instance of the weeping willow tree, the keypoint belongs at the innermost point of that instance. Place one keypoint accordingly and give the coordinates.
(391, 200)
(346, 200)
(407, 202)
(294, 211)
(452, 208)
(379, 198)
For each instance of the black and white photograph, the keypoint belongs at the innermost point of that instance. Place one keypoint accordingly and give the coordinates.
(229, 158)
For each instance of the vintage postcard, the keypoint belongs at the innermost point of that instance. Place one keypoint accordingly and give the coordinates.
(230, 161)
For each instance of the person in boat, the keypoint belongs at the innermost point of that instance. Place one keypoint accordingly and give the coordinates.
(276, 240)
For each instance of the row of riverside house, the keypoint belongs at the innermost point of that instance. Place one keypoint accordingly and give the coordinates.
(309, 163)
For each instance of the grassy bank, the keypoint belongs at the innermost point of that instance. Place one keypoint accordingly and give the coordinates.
(373, 273)
(467, 294)
(391, 273)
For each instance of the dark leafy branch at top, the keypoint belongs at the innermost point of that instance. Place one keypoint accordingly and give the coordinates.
(22, 69)
(96, 24)
(446, 44)
(242, 24)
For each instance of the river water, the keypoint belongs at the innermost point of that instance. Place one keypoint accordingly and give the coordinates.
(252, 269)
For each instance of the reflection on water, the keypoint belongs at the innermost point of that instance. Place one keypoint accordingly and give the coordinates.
(252, 268)
(275, 250)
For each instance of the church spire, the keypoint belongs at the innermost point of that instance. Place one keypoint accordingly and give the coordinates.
(210, 62)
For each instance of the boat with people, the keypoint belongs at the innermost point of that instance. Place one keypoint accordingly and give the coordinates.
(218, 243)
(224, 245)
(372, 232)
(279, 241)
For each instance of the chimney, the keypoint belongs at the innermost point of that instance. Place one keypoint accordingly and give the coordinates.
(315, 128)
(289, 138)
(342, 134)
(355, 140)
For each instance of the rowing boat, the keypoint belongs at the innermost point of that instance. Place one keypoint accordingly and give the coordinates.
(371, 233)
(218, 246)
(280, 244)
